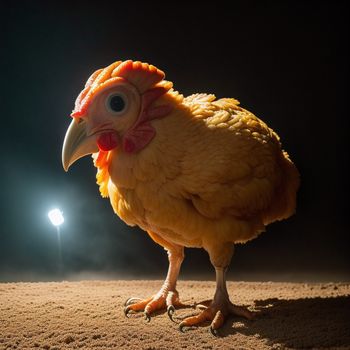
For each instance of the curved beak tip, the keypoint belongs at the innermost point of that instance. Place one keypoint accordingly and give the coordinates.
(77, 144)
(65, 167)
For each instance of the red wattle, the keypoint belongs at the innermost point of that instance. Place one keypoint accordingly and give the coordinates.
(108, 141)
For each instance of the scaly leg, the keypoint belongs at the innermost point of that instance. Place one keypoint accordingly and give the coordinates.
(168, 296)
(221, 306)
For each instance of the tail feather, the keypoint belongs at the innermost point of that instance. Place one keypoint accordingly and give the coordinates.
(284, 203)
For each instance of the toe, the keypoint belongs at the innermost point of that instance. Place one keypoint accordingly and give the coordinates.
(138, 306)
(154, 304)
(241, 311)
(195, 320)
(172, 301)
(217, 322)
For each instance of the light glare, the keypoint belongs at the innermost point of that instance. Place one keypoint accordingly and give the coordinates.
(56, 217)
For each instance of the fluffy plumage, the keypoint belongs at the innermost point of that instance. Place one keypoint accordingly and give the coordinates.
(213, 171)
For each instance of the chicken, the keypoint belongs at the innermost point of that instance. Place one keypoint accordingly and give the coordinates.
(191, 172)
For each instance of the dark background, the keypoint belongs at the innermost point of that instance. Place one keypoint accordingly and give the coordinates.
(287, 62)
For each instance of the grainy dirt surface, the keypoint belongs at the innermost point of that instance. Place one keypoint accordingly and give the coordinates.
(89, 315)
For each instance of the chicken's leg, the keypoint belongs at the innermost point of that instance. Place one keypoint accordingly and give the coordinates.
(167, 297)
(220, 307)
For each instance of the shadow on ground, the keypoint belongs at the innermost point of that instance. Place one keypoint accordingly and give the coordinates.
(302, 323)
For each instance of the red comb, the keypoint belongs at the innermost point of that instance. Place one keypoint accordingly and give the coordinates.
(141, 75)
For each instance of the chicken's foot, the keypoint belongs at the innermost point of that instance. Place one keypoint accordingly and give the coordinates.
(219, 308)
(167, 297)
(164, 299)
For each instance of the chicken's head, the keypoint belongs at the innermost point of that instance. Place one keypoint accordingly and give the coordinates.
(114, 110)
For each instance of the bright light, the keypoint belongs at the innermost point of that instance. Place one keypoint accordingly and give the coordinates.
(56, 217)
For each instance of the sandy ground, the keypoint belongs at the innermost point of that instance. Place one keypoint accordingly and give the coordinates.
(89, 315)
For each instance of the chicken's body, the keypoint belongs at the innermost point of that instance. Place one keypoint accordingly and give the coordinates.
(212, 175)
(213, 172)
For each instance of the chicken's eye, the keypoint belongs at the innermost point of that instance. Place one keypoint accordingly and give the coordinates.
(116, 103)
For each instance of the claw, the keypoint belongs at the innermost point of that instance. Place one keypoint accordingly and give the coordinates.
(126, 311)
(131, 301)
(181, 327)
(147, 316)
(213, 331)
(170, 311)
